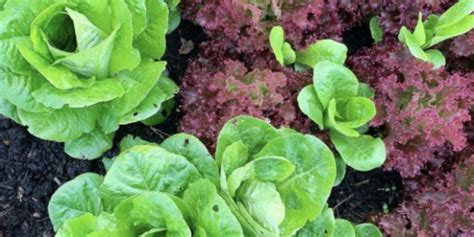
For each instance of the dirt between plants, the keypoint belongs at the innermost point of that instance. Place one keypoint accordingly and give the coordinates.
(32, 169)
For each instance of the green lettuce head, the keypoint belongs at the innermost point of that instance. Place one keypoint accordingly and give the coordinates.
(73, 71)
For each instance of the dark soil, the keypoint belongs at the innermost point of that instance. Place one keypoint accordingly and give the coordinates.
(32, 169)
(362, 194)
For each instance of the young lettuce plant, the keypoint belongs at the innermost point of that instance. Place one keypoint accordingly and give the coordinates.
(457, 20)
(73, 72)
(149, 190)
(337, 101)
(273, 180)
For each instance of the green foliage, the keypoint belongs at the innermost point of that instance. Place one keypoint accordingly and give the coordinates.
(327, 226)
(73, 72)
(375, 29)
(322, 50)
(145, 192)
(266, 182)
(279, 181)
(457, 20)
(283, 51)
(337, 101)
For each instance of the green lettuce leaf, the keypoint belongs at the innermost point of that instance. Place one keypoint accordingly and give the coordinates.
(322, 50)
(74, 198)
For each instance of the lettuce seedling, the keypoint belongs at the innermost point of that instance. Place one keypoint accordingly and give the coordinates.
(376, 31)
(326, 225)
(283, 51)
(457, 20)
(321, 50)
(73, 72)
(337, 101)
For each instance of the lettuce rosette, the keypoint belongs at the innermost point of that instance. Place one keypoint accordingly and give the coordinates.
(149, 190)
(273, 180)
(73, 71)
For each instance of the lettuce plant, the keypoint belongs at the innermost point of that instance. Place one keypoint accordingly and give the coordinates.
(264, 182)
(74, 71)
(456, 21)
(337, 101)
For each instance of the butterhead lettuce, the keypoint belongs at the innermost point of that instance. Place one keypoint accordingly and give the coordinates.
(72, 71)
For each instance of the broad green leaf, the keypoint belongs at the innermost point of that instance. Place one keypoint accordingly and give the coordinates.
(174, 19)
(367, 230)
(331, 122)
(436, 58)
(130, 141)
(172, 4)
(107, 121)
(60, 125)
(406, 37)
(147, 108)
(137, 84)
(419, 32)
(93, 61)
(332, 80)
(87, 34)
(269, 169)
(124, 55)
(375, 29)
(211, 215)
(152, 42)
(253, 132)
(11, 60)
(146, 168)
(362, 153)
(344, 228)
(455, 14)
(2, 2)
(91, 226)
(90, 145)
(322, 226)
(18, 88)
(305, 192)
(310, 105)
(16, 21)
(100, 91)
(463, 26)
(264, 204)
(139, 15)
(340, 171)
(365, 90)
(56, 25)
(151, 210)
(165, 111)
(74, 198)
(58, 75)
(277, 39)
(355, 112)
(192, 149)
(9, 110)
(431, 22)
(234, 156)
(322, 50)
(164, 90)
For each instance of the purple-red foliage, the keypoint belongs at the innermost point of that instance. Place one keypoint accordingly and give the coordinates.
(244, 25)
(422, 110)
(439, 204)
(216, 88)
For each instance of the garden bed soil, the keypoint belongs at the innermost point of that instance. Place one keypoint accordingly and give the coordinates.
(32, 169)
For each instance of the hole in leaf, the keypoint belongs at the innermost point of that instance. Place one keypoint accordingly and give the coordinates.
(215, 208)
